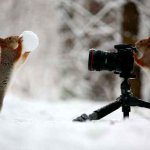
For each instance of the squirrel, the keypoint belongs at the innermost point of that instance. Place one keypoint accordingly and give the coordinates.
(10, 55)
(144, 47)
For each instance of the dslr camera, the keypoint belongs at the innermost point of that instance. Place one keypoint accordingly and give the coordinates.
(120, 62)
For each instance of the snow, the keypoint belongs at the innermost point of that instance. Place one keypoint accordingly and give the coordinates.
(41, 125)
(30, 41)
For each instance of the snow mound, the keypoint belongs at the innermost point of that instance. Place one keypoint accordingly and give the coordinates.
(41, 125)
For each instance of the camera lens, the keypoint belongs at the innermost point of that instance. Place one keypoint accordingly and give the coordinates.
(100, 60)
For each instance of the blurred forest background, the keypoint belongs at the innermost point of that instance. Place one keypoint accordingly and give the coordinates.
(67, 29)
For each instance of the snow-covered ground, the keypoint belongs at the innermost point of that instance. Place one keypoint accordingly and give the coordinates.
(42, 125)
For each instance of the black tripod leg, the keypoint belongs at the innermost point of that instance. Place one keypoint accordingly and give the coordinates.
(126, 113)
(100, 113)
(125, 106)
(137, 102)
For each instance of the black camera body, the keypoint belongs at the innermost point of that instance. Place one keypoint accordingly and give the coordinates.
(121, 62)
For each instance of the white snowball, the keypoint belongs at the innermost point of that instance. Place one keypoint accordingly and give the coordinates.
(30, 41)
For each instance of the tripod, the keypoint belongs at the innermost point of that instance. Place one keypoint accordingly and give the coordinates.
(126, 100)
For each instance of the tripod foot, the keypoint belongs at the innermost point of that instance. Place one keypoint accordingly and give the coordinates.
(82, 118)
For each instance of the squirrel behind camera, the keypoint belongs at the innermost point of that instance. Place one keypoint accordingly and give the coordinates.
(144, 47)
(10, 57)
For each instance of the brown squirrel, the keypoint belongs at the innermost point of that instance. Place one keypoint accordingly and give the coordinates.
(144, 47)
(10, 55)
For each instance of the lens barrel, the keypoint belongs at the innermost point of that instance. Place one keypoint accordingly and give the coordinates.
(100, 60)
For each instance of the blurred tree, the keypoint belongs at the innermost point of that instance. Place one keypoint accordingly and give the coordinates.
(84, 25)
(130, 30)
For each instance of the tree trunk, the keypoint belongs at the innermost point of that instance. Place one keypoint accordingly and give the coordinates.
(130, 29)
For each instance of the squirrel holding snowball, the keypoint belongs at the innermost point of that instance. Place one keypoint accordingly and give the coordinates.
(10, 55)
(14, 51)
(144, 47)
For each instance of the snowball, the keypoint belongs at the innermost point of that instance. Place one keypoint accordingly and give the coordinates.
(30, 41)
